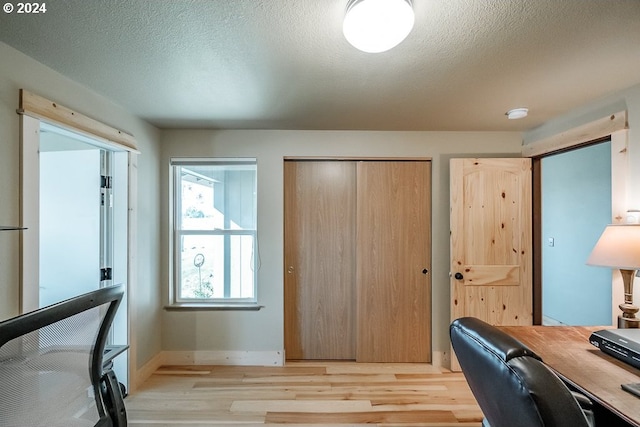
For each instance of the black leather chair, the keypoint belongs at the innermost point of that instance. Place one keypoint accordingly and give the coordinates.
(510, 382)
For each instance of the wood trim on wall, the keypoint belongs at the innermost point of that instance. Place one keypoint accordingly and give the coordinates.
(29, 213)
(36, 106)
(132, 271)
(620, 176)
(577, 136)
(536, 204)
(349, 158)
(620, 204)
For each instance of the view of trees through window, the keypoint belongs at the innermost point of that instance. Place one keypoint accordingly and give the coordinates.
(215, 231)
(197, 268)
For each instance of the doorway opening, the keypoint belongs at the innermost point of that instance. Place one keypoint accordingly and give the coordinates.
(575, 206)
(78, 216)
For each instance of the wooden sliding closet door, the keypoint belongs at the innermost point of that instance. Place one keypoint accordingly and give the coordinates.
(393, 261)
(319, 231)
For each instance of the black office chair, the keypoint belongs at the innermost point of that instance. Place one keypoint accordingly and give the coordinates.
(510, 382)
(51, 365)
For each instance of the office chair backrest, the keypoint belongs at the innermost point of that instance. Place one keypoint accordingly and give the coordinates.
(511, 384)
(51, 363)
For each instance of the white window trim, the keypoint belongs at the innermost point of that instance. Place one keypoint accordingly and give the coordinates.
(213, 304)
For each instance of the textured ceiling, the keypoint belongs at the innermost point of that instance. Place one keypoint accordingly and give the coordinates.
(284, 64)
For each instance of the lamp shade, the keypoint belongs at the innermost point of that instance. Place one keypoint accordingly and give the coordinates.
(377, 25)
(618, 247)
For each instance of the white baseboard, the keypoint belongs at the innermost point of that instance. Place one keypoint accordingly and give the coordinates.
(142, 374)
(237, 358)
(441, 359)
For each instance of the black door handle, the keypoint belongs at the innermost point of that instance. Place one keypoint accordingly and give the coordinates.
(425, 271)
(458, 276)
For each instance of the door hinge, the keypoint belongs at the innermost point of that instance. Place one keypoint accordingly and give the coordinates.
(105, 196)
(105, 274)
(106, 199)
(105, 181)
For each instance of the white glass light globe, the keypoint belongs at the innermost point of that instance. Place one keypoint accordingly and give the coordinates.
(377, 25)
(517, 113)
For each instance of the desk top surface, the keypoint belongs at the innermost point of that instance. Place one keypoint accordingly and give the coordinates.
(566, 349)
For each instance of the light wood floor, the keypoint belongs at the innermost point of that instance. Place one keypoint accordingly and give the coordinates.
(304, 393)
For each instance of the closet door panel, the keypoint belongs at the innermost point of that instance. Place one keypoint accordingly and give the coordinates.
(320, 207)
(393, 261)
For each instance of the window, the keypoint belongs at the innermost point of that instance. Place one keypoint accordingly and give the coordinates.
(214, 231)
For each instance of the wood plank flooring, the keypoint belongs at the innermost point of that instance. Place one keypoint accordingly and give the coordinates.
(304, 393)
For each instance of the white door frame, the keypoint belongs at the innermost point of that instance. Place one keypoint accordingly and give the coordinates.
(29, 218)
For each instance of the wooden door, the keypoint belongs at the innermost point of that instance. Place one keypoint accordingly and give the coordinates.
(393, 261)
(491, 240)
(319, 276)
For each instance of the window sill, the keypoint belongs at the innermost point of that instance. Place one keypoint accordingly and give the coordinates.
(186, 306)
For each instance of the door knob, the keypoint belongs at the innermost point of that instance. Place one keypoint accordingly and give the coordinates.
(458, 276)
(425, 271)
(290, 269)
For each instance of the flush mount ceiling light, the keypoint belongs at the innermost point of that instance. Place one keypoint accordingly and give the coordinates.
(517, 113)
(377, 25)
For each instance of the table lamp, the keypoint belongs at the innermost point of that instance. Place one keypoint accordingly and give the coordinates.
(619, 247)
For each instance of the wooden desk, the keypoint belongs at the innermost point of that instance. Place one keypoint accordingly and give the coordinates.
(567, 351)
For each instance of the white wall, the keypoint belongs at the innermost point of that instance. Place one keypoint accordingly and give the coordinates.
(19, 71)
(263, 330)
